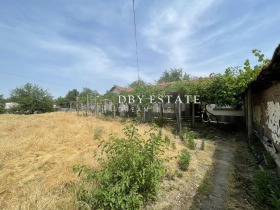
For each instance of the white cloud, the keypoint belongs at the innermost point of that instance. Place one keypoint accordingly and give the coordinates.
(86, 61)
(93, 41)
(171, 26)
(55, 54)
(105, 13)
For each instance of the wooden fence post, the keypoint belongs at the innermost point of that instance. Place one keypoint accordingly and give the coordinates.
(179, 119)
(114, 111)
(193, 113)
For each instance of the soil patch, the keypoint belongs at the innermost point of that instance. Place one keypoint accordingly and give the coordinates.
(231, 178)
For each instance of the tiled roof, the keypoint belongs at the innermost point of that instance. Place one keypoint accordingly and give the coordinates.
(192, 80)
(124, 89)
(269, 73)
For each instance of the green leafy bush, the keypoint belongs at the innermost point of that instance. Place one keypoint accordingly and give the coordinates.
(206, 183)
(129, 175)
(204, 133)
(266, 188)
(2, 104)
(191, 144)
(274, 200)
(188, 137)
(160, 122)
(180, 174)
(188, 133)
(2, 110)
(184, 160)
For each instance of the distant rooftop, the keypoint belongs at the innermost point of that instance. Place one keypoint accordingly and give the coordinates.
(119, 88)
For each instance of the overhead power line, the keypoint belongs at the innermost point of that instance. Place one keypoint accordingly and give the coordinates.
(23, 76)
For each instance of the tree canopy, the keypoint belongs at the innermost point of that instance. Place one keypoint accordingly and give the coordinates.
(221, 89)
(32, 98)
(113, 97)
(136, 83)
(227, 88)
(86, 92)
(2, 104)
(72, 95)
(173, 75)
(62, 102)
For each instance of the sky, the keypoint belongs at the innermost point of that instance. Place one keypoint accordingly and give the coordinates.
(62, 45)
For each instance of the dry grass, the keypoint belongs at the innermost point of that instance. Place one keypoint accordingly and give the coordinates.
(37, 153)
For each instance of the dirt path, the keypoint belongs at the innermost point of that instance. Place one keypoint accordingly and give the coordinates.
(217, 196)
(231, 178)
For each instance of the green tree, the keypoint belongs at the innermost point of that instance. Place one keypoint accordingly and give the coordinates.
(86, 92)
(32, 98)
(172, 75)
(2, 104)
(113, 97)
(130, 172)
(62, 102)
(186, 77)
(227, 88)
(145, 91)
(221, 89)
(72, 95)
(137, 83)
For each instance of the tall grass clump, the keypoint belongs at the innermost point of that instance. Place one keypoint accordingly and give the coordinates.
(266, 188)
(188, 137)
(131, 169)
(202, 147)
(97, 132)
(160, 122)
(191, 143)
(184, 160)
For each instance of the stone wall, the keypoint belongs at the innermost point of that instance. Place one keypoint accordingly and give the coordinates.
(266, 113)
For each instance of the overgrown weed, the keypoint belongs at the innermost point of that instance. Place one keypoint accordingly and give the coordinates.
(97, 132)
(130, 171)
(266, 188)
(184, 160)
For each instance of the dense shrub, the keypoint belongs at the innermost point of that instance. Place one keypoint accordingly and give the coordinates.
(188, 141)
(31, 99)
(191, 143)
(188, 137)
(2, 104)
(184, 160)
(160, 122)
(129, 175)
(266, 188)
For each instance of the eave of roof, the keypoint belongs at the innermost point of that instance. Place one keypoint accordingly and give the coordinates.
(269, 73)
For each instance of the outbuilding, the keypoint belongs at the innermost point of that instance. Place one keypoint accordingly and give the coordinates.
(263, 107)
